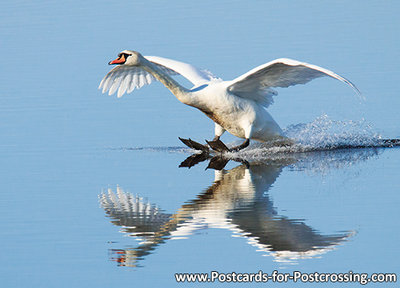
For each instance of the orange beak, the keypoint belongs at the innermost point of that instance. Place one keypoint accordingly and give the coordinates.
(119, 60)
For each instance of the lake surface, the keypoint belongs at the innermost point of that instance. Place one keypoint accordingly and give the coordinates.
(93, 195)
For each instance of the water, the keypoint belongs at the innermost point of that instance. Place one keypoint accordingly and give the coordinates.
(92, 190)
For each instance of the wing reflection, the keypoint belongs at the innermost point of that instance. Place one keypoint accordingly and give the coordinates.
(237, 201)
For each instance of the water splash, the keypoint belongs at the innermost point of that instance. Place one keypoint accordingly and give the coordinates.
(325, 133)
(323, 137)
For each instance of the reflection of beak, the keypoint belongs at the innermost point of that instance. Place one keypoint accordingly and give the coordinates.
(119, 60)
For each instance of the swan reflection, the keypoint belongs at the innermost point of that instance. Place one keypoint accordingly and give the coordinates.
(238, 201)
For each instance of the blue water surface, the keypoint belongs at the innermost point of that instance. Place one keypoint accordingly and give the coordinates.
(92, 192)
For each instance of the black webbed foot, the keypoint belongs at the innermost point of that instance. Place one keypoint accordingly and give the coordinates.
(218, 145)
(194, 145)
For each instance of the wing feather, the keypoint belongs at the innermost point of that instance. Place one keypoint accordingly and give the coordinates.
(133, 83)
(257, 83)
(124, 85)
(126, 78)
(105, 83)
(115, 85)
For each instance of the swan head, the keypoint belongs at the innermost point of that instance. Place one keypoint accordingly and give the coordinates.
(127, 57)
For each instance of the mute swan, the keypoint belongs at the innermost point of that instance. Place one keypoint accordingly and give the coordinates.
(237, 106)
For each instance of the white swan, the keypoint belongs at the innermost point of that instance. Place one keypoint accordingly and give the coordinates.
(237, 106)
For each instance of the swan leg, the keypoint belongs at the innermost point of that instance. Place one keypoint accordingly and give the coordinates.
(248, 132)
(218, 131)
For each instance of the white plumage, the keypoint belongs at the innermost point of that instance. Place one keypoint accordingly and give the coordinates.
(237, 106)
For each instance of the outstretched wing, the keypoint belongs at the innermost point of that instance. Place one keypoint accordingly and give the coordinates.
(257, 83)
(126, 78)
(193, 74)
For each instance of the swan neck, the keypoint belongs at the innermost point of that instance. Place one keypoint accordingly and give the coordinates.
(179, 91)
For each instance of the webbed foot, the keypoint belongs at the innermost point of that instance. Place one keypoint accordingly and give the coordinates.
(194, 145)
(218, 145)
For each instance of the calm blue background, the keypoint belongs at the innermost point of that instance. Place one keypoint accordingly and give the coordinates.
(61, 138)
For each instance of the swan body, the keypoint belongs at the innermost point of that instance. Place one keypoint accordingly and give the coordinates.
(237, 106)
